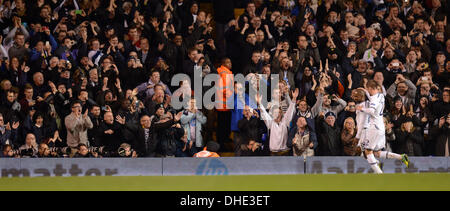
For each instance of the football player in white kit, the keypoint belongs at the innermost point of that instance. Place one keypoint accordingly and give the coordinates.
(373, 138)
(359, 96)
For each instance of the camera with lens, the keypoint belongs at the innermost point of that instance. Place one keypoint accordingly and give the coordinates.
(100, 151)
(122, 151)
(61, 151)
(23, 152)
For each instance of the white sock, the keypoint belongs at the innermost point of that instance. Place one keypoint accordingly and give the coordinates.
(390, 155)
(374, 164)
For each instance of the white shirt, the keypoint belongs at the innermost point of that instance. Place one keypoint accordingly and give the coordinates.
(194, 17)
(375, 112)
(278, 132)
(361, 119)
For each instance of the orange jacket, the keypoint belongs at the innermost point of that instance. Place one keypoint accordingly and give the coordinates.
(224, 85)
(206, 154)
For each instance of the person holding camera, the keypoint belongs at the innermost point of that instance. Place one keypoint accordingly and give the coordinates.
(8, 152)
(403, 88)
(83, 152)
(134, 73)
(44, 151)
(349, 111)
(329, 103)
(125, 150)
(77, 124)
(65, 50)
(29, 149)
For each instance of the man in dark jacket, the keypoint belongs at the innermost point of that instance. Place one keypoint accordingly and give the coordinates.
(94, 134)
(250, 147)
(329, 143)
(176, 51)
(111, 131)
(251, 127)
(441, 134)
(165, 131)
(83, 152)
(409, 139)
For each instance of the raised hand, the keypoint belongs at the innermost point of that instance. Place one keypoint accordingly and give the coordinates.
(8, 126)
(280, 46)
(258, 98)
(178, 116)
(263, 14)
(295, 94)
(15, 125)
(208, 18)
(120, 120)
(118, 84)
(85, 115)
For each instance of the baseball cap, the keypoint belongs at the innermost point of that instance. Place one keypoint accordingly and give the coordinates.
(440, 52)
(329, 113)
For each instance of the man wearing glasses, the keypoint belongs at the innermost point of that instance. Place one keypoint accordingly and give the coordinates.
(77, 124)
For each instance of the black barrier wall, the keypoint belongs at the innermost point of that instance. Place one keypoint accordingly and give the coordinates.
(25, 167)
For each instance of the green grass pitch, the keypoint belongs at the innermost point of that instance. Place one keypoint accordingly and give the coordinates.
(348, 182)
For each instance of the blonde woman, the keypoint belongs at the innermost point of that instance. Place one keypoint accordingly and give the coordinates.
(348, 138)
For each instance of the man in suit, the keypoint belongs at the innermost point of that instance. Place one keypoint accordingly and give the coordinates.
(144, 144)
(145, 55)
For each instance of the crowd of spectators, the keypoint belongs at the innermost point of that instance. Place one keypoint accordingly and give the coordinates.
(92, 78)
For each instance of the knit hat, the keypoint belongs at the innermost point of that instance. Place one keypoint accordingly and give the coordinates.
(158, 106)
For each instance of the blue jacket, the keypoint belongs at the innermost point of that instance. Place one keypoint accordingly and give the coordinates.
(186, 121)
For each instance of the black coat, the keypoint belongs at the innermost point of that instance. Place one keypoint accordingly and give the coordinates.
(329, 139)
(252, 129)
(409, 143)
(95, 134)
(166, 137)
(442, 137)
(111, 141)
